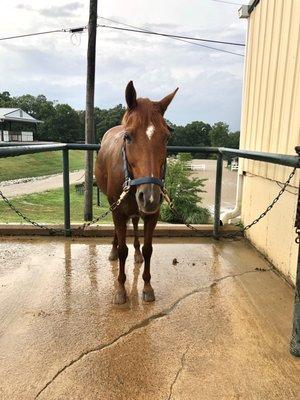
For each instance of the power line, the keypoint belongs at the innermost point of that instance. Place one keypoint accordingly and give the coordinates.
(71, 30)
(227, 2)
(172, 36)
(179, 39)
(135, 30)
(32, 34)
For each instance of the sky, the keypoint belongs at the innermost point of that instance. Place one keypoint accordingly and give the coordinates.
(209, 81)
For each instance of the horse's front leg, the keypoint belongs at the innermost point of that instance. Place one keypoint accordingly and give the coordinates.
(138, 258)
(120, 230)
(149, 226)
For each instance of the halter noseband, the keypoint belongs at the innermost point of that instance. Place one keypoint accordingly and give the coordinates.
(130, 181)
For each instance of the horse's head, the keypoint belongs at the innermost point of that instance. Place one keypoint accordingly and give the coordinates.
(146, 139)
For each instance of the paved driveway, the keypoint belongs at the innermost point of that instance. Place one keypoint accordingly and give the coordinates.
(40, 185)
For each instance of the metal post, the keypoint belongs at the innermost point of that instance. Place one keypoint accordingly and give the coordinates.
(218, 190)
(66, 183)
(98, 197)
(295, 340)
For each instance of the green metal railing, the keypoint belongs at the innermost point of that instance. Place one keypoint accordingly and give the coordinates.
(17, 149)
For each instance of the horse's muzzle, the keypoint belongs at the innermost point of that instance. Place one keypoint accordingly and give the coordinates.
(149, 197)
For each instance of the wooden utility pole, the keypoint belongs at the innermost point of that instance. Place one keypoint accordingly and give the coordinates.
(89, 111)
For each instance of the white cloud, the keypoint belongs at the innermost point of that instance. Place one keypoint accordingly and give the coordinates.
(210, 82)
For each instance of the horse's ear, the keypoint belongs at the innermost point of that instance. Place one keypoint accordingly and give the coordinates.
(163, 104)
(130, 96)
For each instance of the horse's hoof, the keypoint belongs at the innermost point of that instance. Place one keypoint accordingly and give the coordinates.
(120, 297)
(148, 295)
(138, 258)
(113, 255)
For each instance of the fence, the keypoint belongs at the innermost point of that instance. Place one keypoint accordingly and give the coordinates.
(17, 149)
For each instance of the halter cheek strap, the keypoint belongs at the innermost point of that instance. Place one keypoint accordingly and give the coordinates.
(130, 181)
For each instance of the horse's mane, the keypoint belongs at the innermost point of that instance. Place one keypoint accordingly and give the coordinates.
(144, 114)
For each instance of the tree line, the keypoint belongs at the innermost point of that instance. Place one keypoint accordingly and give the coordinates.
(62, 123)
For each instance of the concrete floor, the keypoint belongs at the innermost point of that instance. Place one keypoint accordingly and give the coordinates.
(219, 328)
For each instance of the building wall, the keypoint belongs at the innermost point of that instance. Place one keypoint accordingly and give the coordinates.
(271, 123)
(24, 137)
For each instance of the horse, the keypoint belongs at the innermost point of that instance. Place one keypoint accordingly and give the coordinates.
(133, 156)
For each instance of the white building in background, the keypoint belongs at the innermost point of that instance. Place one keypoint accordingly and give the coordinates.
(16, 125)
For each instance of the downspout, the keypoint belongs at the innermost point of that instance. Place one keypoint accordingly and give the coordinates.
(236, 212)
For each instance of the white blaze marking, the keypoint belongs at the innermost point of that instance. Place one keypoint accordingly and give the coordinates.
(150, 131)
(151, 197)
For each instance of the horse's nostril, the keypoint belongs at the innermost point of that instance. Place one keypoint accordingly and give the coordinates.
(141, 197)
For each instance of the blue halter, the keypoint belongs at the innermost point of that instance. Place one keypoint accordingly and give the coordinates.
(130, 181)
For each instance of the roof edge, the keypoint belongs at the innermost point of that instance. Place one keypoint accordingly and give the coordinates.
(253, 5)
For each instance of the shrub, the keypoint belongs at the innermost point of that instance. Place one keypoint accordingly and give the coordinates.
(184, 192)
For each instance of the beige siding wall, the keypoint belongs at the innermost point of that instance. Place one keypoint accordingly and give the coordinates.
(271, 107)
(271, 122)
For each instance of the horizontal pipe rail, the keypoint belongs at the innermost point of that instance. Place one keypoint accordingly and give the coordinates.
(13, 151)
(282, 159)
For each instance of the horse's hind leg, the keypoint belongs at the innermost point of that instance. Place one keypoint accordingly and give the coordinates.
(113, 255)
(138, 258)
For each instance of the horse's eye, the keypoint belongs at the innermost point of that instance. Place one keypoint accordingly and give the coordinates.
(127, 137)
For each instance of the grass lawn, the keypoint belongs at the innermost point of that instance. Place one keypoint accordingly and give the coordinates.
(39, 164)
(48, 207)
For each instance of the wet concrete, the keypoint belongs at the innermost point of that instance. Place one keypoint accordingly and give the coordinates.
(219, 328)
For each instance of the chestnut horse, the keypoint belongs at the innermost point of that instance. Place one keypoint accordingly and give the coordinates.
(134, 154)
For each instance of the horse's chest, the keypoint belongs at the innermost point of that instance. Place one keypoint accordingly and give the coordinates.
(130, 207)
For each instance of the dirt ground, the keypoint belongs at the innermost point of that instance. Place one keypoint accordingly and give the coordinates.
(228, 184)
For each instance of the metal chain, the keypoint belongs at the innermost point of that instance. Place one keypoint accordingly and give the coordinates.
(178, 215)
(297, 240)
(111, 208)
(238, 233)
(20, 214)
(171, 205)
(263, 214)
(55, 230)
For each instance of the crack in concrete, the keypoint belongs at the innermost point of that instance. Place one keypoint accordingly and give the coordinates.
(143, 324)
(178, 372)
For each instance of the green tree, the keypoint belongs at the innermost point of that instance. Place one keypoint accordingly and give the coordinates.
(194, 134)
(65, 124)
(5, 100)
(219, 134)
(184, 192)
(233, 140)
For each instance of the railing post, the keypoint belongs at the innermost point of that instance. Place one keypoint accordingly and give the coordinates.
(295, 340)
(218, 190)
(66, 183)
